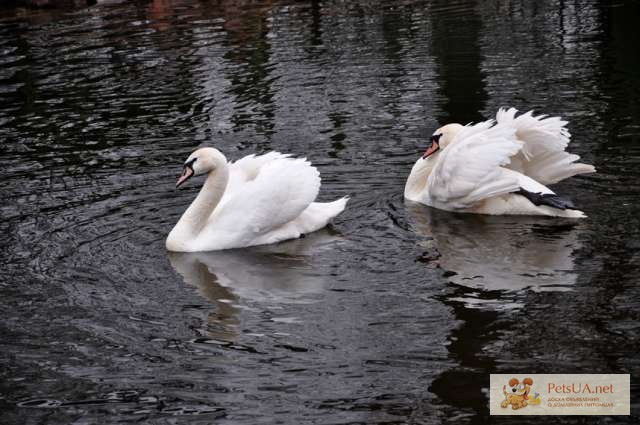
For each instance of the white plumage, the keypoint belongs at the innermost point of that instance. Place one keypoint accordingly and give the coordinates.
(543, 156)
(255, 201)
(471, 169)
(489, 167)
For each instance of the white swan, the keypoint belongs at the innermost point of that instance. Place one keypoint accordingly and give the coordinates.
(257, 200)
(497, 168)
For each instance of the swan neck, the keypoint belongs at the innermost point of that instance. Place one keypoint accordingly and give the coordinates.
(417, 181)
(196, 216)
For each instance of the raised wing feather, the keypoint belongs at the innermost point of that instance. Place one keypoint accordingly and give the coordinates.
(470, 169)
(544, 140)
(280, 191)
(539, 134)
(247, 168)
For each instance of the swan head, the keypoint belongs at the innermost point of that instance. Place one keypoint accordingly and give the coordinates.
(441, 138)
(416, 184)
(201, 161)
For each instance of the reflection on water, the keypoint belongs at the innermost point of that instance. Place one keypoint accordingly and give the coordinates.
(500, 253)
(399, 320)
(266, 275)
(195, 270)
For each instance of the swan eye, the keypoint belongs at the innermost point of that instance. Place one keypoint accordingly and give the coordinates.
(190, 163)
(187, 172)
(433, 146)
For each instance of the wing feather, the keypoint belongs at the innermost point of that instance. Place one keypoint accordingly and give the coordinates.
(247, 168)
(280, 191)
(544, 140)
(470, 169)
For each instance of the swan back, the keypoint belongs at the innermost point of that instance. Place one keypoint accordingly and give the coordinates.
(280, 191)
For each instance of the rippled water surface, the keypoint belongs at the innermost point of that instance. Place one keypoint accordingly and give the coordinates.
(396, 313)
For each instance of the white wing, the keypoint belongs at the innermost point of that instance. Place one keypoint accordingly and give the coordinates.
(544, 139)
(470, 169)
(279, 192)
(247, 168)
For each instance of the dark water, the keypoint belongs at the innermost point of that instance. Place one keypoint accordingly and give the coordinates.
(397, 313)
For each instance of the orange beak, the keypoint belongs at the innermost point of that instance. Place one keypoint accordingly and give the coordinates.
(187, 172)
(431, 149)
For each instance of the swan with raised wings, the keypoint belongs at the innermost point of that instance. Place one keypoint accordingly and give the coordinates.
(256, 200)
(499, 167)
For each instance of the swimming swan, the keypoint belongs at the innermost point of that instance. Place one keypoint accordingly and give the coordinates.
(498, 167)
(256, 200)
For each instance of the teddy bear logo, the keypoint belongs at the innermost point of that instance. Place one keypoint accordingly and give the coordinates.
(517, 394)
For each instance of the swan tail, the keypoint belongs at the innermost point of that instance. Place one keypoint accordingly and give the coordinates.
(573, 170)
(319, 214)
(556, 166)
(555, 212)
(316, 216)
(336, 207)
(572, 214)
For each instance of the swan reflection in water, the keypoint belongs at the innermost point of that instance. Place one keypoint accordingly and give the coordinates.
(269, 275)
(500, 252)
